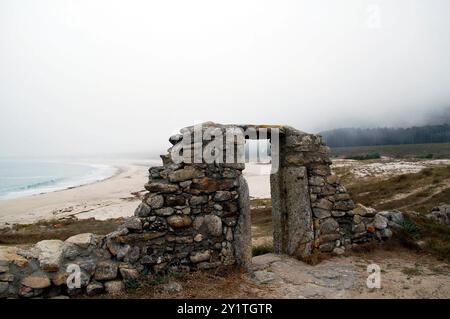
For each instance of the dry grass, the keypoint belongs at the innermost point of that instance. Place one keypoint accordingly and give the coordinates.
(222, 283)
(57, 229)
(417, 191)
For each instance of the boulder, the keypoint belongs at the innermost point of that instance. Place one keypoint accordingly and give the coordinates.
(82, 240)
(49, 254)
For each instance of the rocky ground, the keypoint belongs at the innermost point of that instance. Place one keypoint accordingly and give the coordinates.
(403, 275)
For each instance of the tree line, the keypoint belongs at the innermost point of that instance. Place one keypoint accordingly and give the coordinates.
(387, 136)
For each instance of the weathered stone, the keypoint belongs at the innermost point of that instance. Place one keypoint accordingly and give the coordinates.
(179, 221)
(172, 287)
(364, 211)
(143, 210)
(197, 257)
(36, 281)
(337, 213)
(214, 224)
(133, 223)
(324, 204)
(221, 196)
(114, 287)
(175, 200)
(106, 270)
(358, 228)
(339, 251)
(82, 240)
(49, 254)
(327, 247)
(341, 197)
(166, 211)
(316, 181)
(144, 237)
(175, 139)
(160, 187)
(187, 173)
(198, 238)
(380, 222)
(210, 185)
(328, 226)
(344, 205)
(60, 278)
(3, 289)
(198, 200)
(128, 273)
(155, 201)
(6, 277)
(321, 213)
(332, 179)
(94, 288)
(4, 269)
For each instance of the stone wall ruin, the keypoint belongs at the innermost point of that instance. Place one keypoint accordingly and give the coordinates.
(196, 216)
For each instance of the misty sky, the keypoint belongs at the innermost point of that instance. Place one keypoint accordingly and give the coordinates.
(82, 77)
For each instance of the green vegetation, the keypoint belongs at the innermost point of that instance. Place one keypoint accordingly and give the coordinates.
(364, 157)
(387, 136)
(425, 235)
(419, 151)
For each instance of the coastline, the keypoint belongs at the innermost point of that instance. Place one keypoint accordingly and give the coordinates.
(114, 197)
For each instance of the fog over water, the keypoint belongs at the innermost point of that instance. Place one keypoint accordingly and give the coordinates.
(101, 77)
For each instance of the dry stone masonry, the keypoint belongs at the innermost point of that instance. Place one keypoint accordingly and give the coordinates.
(196, 216)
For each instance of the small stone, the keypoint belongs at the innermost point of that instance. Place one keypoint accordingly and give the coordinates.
(160, 187)
(327, 247)
(337, 213)
(179, 221)
(128, 273)
(328, 226)
(324, 204)
(166, 211)
(185, 184)
(211, 185)
(175, 200)
(3, 288)
(198, 222)
(187, 173)
(143, 210)
(316, 181)
(4, 269)
(386, 233)
(133, 223)
(175, 139)
(339, 251)
(172, 287)
(200, 256)
(36, 281)
(380, 222)
(214, 224)
(114, 287)
(198, 200)
(221, 196)
(332, 179)
(321, 213)
(358, 228)
(60, 278)
(198, 238)
(82, 240)
(364, 211)
(155, 201)
(94, 288)
(6, 277)
(106, 271)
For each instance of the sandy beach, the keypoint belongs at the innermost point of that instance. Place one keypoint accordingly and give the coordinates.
(111, 198)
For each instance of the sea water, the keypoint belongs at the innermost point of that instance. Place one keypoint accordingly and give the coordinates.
(20, 178)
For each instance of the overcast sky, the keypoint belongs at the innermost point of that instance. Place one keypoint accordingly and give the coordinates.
(80, 77)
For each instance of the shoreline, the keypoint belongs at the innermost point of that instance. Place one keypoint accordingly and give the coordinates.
(114, 197)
